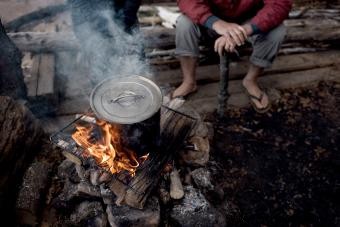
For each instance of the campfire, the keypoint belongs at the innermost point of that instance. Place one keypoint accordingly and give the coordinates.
(102, 141)
(128, 157)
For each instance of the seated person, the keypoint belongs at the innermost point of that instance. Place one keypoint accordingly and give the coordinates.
(230, 23)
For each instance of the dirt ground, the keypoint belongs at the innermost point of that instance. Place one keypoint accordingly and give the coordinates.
(282, 168)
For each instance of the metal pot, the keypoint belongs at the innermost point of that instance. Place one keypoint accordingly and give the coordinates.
(134, 103)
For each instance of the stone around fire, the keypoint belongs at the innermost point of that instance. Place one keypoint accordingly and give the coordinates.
(195, 210)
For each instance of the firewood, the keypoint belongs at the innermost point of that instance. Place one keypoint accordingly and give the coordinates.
(174, 131)
(176, 187)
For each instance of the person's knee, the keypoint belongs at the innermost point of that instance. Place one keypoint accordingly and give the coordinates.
(278, 34)
(185, 26)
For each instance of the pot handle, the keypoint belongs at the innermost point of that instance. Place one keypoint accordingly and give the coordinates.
(127, 98)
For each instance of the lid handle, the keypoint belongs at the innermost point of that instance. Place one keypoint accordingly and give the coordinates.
(127, 98)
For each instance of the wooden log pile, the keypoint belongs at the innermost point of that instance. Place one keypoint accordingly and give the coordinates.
(135, 191)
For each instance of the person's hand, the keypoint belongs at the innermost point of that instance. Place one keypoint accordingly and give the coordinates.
(224, 43)
(248, 28)
(236, 32)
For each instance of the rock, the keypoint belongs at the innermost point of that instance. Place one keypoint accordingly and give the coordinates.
(201, 129)
(89, 214)
(202, 178)
(67, 170)
(121, 216)
(232, 213)
(94, 177)
(107, 195)
(199, 155)
(73, 191)
(32, 193)
(83, 174)
(211, 130)
(195, 210)
(105, 177)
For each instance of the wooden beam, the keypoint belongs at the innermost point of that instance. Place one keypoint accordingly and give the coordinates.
(46, 75)
(283, 64)
(159, 37)
(38, 42)
(39, 14)
(205, 100)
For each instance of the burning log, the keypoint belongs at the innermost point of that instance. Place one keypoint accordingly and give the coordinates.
(71, 151)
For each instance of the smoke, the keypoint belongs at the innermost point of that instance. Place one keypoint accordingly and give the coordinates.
(109, 48)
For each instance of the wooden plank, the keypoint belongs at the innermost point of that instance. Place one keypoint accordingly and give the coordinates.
(159, 37)
(31, 80)
(46, 75)
(283, 64)
(46, 67)
(205, 100)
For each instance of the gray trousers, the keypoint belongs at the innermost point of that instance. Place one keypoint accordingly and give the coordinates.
(190, 35)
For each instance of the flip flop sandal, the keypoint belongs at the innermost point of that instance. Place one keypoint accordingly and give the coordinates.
(259, 99)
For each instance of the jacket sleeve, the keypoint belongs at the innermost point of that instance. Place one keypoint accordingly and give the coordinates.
(197, 10)
(272, 14)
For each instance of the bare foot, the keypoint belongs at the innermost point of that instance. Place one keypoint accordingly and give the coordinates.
(254, 90)
(184, 89)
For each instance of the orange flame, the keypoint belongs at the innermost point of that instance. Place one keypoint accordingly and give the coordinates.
(107, 151)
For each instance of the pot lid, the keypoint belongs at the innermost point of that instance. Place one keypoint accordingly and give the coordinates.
(126, 100)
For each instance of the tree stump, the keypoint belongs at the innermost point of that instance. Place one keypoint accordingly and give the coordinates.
(11, 77)
(20, 135)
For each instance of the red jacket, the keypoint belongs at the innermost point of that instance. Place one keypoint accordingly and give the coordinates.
(264, 14)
